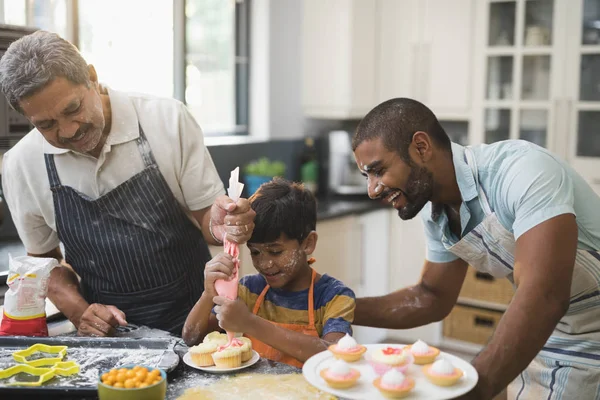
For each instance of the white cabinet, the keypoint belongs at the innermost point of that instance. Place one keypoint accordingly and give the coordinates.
(426, 53)
(407, 256)
(357, 53)
(537, 78)
(338, 58)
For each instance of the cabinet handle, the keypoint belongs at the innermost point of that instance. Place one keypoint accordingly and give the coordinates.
(482, 276)
(487, 322)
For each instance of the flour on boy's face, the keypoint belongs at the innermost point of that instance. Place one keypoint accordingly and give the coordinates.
(281, 262)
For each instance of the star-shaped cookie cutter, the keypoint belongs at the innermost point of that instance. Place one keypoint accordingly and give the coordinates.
(44, 373)
(20, 356)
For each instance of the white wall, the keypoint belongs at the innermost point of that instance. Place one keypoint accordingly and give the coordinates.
(276, 78)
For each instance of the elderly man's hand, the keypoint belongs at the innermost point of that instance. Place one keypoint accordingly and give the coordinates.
(235, 219)
(100, 320)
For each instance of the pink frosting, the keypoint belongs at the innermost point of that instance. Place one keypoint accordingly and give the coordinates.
(335, 377)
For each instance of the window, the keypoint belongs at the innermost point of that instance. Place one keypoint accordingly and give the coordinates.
(199, 55)
(216, 64)
(130, 43)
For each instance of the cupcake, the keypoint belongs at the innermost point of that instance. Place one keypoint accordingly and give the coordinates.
(394, 384)
(246, 348)
(382, 360)
(339, 375)
(220, 339)
(423, 353)
(442, 373)
(347, 349)
(202, 354)
(230, 357)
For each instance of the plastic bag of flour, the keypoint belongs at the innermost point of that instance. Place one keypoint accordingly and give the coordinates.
(25, 300)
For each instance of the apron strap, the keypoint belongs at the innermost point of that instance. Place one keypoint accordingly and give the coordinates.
(145, 150)
(311, 300)
(482, 196)
(260, 300)
(53, 178)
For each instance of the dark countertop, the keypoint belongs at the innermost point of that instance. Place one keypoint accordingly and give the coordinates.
(336, 207)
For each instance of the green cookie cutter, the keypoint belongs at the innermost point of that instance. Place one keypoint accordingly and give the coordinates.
(21, 355)
(45, 374)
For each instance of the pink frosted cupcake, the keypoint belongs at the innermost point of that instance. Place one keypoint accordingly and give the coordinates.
(339, 375)
(387, 358)
(394, 384)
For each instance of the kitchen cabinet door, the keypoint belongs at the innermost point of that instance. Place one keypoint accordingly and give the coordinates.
(338, 251)
(398, 44)
(338, 58)
(407, 256)
(446, 57)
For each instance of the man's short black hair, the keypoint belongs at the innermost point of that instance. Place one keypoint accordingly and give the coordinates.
(284, 207)
(396, 121)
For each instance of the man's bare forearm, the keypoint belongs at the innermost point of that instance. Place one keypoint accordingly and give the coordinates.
(406, 308)
(520, 335)
(63, 291)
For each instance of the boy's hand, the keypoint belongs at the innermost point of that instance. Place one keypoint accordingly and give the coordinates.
(220, 267)
(233, 315)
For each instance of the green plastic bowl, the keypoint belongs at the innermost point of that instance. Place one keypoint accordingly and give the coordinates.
(158, 391)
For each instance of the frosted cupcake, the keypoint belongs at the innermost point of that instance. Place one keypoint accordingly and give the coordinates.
(202, 354)
(347, 349)
(394, 384)
(231, 357)
(382, 360)
(220, 339)
(246, 347)
(423, 353)
(442, 373)
(339, 375)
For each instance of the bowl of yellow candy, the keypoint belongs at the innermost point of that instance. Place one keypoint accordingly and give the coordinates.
(132, 382)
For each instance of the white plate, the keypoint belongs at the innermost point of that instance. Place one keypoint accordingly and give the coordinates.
(364, 388)
(187, 358)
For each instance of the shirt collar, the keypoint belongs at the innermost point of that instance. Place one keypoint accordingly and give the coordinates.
(124, 124)
(464, 178)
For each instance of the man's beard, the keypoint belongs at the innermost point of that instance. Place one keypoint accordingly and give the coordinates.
(419, 190)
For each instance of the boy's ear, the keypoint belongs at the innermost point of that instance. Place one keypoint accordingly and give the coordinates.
(310, 243)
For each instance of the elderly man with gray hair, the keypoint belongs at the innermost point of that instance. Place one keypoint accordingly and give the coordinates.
(123, 181)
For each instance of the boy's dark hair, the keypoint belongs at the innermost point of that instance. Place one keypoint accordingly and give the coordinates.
(396, 121)
(284, 207)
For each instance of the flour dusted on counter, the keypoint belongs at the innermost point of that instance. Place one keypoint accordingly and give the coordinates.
(25, 300)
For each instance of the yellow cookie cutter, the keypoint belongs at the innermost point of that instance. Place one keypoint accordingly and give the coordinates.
(61, 368)
(21, 355)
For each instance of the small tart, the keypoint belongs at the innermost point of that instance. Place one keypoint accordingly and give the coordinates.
(202, 354)
(423, 358)
(340, 382)
(348, 355)
(395, 392)
(442, 380)
(384, 359)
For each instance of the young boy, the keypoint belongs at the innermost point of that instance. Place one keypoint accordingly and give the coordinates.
(289, 311)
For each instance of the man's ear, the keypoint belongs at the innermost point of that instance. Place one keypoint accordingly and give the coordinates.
(310, 243)
(93, 75)
(421, 148)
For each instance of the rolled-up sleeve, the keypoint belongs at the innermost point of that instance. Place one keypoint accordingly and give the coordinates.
(534, 189)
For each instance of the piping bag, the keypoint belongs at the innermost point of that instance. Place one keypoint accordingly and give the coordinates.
(229, 288)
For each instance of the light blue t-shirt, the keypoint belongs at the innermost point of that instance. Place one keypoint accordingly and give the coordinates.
(525, 186)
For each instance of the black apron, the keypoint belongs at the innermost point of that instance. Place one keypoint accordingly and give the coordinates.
(134, 247)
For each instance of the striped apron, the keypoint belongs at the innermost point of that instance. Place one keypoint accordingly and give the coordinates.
(134, 247)
(568, 367)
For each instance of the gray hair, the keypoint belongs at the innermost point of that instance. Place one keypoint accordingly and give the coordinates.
(35, 60)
